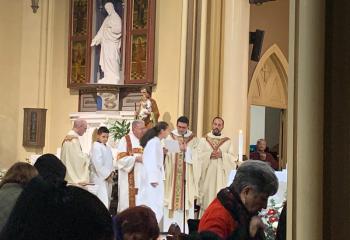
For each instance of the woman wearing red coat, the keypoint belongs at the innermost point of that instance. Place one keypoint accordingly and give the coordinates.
(233, 214)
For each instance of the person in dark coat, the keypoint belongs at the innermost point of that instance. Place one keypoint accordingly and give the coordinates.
(11, 186)
(281, 233)
(57, 212)
(51, 169)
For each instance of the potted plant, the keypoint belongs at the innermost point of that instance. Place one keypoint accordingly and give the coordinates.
(118, 129)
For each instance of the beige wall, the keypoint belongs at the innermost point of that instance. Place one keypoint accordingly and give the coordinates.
(10, 63)
(30, 91)
(167, 58)
(63, 101)
(273, 18)
(34, 57)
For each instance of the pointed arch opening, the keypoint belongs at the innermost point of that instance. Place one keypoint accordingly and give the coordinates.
(268, 101)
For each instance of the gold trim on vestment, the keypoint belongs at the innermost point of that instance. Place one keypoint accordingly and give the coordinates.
(216, 143)
(68, 138)
(177, 202)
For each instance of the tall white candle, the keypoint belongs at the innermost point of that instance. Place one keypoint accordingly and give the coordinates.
(240, 145)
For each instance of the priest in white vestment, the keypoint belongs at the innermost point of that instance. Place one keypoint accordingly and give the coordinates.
(102, 166)
(129, 164)
(217, 160)
(179, 169)
(151, 190)
(76, 162)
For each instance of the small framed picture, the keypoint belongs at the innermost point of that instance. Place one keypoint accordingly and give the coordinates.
(34, 125)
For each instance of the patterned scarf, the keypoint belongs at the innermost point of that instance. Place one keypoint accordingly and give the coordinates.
(232, 203)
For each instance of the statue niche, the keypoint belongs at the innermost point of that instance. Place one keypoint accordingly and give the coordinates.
(109, 38)
(111, 51)
(111, 43)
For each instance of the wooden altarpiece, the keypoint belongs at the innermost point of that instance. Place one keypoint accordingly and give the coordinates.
(137, 50)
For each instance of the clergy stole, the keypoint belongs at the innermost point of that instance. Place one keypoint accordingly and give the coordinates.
(215, 143)
(179, 177)
(131, 176)
(69, 138)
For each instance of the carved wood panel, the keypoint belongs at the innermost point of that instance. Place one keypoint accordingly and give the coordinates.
(137, 41)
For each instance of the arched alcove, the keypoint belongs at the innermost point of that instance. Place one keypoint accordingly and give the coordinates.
(268, 88)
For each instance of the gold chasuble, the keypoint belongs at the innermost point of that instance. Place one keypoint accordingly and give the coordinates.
(214, 171)
(176, 165)
(76, 162)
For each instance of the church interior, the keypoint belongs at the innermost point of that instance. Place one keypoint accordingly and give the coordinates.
(274, 70)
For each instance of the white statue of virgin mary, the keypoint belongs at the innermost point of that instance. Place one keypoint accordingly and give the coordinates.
(109, 37)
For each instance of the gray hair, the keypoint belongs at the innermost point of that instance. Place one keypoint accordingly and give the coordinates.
(261, 140)
(256, 174)
(79, 122)
(136, 123)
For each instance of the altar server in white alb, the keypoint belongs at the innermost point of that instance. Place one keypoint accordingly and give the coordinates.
(129, 162)
(102, 166)
(151, 191)
(72, 156)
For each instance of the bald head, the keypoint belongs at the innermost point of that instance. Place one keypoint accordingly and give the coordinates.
(138, 128)
(80, 126)
(137, 123)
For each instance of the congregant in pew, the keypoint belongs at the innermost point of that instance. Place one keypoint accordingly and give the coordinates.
(11, 186)
(233, 213)
(51, 169)
(136, 223)
(45, 211)
(262, 155)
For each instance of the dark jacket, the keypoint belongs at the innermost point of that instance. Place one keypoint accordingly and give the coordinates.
(9, 193)
(269, 159)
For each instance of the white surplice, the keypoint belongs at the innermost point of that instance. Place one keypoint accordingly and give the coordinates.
(125, 164)
(153, 172)
(101, 169)
(76, 162)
